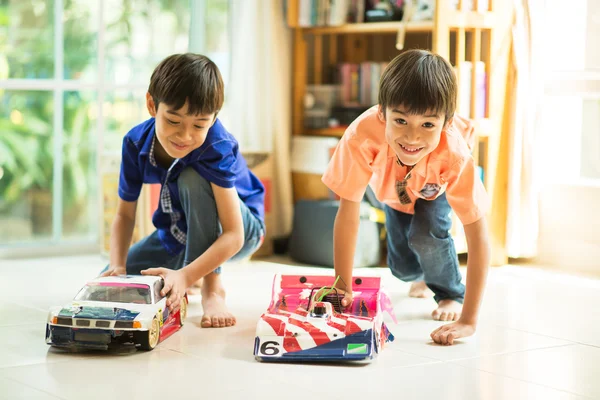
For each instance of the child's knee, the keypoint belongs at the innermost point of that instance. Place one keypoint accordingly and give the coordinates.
(191, 183)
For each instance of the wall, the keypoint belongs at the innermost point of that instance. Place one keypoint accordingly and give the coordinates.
(570, 227)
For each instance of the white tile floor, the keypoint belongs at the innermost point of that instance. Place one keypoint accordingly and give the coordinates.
(539, 338)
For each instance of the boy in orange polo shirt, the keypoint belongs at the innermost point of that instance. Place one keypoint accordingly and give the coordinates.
(411, 150)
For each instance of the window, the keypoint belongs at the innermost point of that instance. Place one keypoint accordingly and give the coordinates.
(73, 75)
(158, 286)
(571, 108)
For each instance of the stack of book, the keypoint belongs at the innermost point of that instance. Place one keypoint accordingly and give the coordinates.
(329, 12)
(360, 83)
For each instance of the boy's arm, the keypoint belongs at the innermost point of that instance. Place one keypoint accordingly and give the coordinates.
(120, 238)
(477, 269)
(345, 232)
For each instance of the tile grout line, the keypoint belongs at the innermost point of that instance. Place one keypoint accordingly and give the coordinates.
(525, 381)
(514, 352)
(45, 363)
(418, 355)
(27, 307)
(547, 336)
(24, 324)
(31, 387)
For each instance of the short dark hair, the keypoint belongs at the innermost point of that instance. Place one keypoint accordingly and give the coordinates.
(420, 81)
(188, 77)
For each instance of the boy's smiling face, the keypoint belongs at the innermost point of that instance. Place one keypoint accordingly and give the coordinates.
(412, 136)
(177, 132)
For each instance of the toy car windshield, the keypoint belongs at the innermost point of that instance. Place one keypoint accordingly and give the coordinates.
(115, 293)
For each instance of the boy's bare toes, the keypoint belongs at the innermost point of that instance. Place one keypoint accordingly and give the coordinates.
(216, 313)
(448, 310)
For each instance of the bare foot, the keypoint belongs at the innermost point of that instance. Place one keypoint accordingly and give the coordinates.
(216, 313)
(448, 310)
(420, 290)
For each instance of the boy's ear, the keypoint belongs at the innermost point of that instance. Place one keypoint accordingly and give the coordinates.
(150, 104)
(449, 122)
(381, 114)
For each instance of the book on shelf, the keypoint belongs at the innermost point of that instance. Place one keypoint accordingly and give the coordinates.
(360, 83)
(329, 12)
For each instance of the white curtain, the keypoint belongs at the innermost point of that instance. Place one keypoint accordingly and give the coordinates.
(258, 103)
(526, 105)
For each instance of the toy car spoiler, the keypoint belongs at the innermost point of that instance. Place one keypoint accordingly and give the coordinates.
(290, 292)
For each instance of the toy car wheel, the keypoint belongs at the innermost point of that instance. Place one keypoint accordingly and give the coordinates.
(149, 340)
(182, 311)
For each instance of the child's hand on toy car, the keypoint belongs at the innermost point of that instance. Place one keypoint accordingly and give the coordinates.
(175, 285)
(114, 271)
(348, 297)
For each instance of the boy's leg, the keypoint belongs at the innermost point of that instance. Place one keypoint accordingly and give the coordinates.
(150, 253)
(430, 240)
(213, 294)
(203, 229)
(402, 260)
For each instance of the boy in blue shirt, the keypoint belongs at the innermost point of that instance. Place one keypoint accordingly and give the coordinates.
(211, 206)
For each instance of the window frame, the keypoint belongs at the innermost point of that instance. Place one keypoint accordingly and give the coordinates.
(58, 85)
(583, 84)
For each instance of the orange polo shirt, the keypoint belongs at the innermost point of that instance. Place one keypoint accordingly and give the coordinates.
(363, 157)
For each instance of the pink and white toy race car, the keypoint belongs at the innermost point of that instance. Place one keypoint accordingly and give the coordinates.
(115, 309)
(305, 321)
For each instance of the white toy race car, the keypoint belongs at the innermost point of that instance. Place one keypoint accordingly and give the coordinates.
(115, 310)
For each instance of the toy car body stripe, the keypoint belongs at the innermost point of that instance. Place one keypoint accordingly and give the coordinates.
(275, 324)
(316, 334)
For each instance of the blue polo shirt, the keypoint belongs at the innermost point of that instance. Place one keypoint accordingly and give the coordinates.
(217, 160)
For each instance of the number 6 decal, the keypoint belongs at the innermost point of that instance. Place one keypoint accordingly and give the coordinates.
(269, 348)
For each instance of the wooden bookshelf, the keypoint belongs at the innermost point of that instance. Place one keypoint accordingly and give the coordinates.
(369, 28)
(336, 132)
(459, 35)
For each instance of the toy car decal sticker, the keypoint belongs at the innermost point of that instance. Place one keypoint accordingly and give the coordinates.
(361, 308)
(357, 348)
(281, 304)
(120, 314)
(271, 347)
